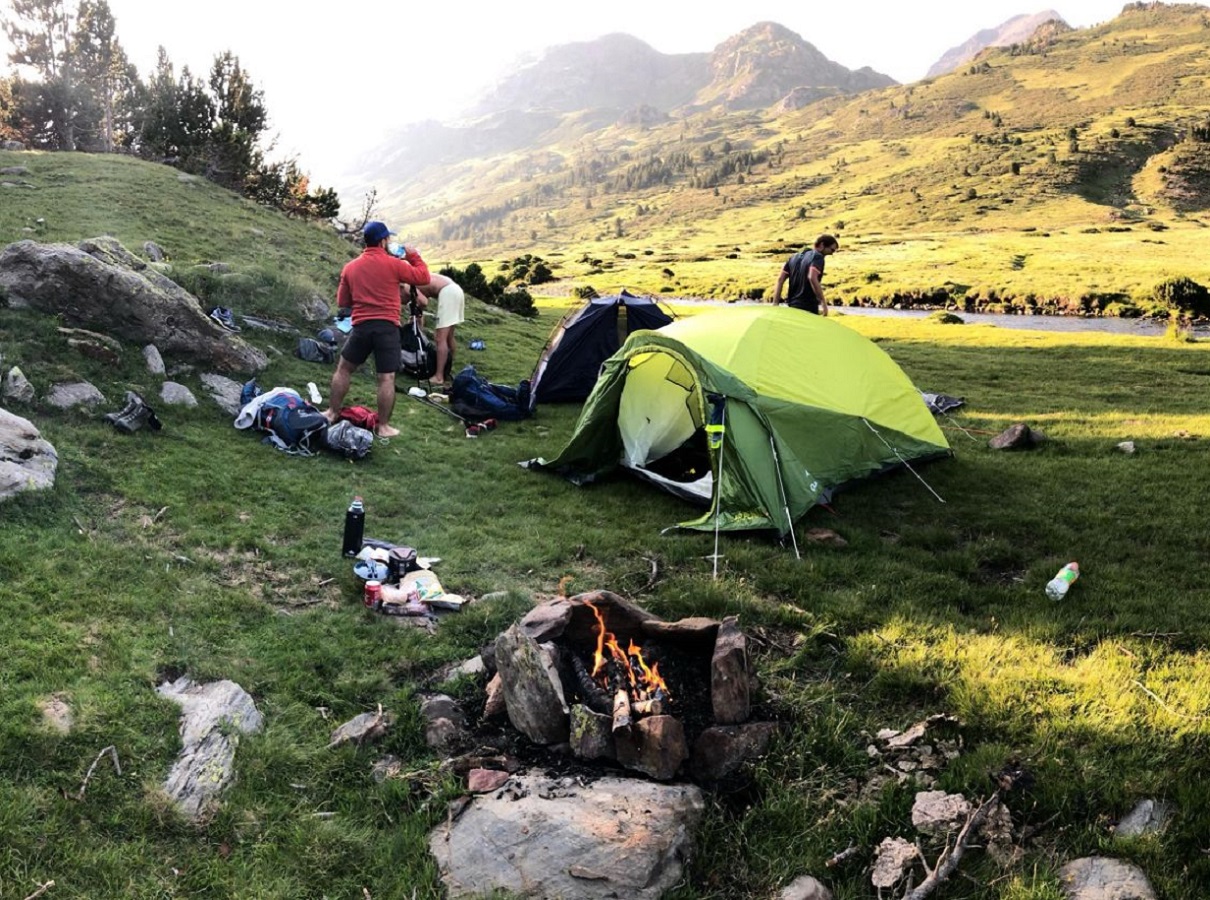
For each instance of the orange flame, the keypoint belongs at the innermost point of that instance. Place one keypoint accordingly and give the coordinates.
(642, 678)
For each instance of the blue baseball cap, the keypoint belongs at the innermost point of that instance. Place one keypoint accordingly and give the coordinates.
(375, 232)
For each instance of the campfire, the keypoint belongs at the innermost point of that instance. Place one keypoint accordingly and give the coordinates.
(615, 683)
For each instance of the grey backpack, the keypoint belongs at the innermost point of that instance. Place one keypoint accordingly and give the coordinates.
(345, 437)
(312, 350)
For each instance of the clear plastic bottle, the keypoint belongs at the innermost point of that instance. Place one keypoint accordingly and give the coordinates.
(1057, 587)
(355, 523)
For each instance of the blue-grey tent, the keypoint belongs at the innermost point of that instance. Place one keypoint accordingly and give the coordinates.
(569, 364)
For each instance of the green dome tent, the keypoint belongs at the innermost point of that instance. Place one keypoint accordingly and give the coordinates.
(758, 412)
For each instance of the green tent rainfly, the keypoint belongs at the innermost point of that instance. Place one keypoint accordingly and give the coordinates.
(758, 412)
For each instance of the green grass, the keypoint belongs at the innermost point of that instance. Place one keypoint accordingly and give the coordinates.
(198, 550)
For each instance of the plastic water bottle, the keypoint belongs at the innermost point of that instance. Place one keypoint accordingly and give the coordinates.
(1057, 587)
(355, 523)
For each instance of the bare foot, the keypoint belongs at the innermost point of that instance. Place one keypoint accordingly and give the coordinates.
(386, 431)
(332, 416)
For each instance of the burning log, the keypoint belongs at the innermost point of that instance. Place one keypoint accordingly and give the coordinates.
(594, 696)
(652, 707)
(621, 710)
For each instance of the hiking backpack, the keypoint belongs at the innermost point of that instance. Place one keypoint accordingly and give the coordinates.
(418, 350)
(311, 350)
(291, 424)
(346, 438)
(474, 398)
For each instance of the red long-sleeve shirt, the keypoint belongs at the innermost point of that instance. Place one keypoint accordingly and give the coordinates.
(370, 283)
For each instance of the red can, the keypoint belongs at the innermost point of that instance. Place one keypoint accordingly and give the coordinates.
(373, 594)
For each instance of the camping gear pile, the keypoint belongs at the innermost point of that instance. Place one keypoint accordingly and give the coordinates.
(397, 582)
(759, 413)
(296, 427)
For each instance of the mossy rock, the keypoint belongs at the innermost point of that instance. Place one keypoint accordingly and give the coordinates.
(941, 317)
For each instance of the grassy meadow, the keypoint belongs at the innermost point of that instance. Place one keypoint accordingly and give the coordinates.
(200, 551)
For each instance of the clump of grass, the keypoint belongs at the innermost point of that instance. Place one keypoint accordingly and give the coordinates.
(943, 317)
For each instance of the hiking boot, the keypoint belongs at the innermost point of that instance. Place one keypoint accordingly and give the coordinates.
(223, 316)
(132, 402)
(136, 416)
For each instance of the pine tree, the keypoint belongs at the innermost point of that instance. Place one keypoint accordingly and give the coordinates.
(40, 34)
(103, 66)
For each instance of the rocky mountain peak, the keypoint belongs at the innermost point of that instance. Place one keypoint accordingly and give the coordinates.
(1017, 30)
(762, 64)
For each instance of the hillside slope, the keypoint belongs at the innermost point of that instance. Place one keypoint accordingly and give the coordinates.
(1087, 135)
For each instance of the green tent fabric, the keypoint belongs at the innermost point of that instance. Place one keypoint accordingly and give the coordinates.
(806, 405)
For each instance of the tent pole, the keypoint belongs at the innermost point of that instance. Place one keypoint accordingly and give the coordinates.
(781, 487)
(716, 433)
(906, 464)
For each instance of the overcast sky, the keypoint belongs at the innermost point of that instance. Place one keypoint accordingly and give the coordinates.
(336, 76)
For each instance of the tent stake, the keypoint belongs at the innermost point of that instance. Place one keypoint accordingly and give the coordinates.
(781, 487)
(906, 464)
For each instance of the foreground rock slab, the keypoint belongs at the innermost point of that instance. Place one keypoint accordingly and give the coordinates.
(1104, 878)
(213, 718)
(539, 837)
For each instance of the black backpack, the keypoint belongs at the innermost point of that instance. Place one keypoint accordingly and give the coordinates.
(418, 350)
(312, 350)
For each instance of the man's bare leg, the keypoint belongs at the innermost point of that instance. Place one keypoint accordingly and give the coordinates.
(386, 405)
(340, 386)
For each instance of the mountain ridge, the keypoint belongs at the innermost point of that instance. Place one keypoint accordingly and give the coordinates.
(1016, 30)
(1090, 130)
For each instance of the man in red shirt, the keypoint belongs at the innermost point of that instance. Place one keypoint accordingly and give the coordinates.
(369, 286)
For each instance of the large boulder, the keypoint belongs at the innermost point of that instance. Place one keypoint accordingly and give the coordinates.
(101, 285)
(27, 462)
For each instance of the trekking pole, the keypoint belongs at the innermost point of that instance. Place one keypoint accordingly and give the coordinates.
(716, 430)
(472, 428)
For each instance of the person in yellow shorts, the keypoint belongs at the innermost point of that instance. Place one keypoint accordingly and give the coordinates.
(451, 312)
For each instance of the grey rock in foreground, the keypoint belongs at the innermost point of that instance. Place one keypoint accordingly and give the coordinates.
(1103, 878)
(27, 462)
(1148, 817)
(17, 388)
(155, 362)
(223, 391)
(175, 394)
(805, 888)
(214, 716)
(541, 838)
(80, 393)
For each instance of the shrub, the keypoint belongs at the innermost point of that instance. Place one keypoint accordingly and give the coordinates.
(585, 292)
(1183, 294)
(518, 301)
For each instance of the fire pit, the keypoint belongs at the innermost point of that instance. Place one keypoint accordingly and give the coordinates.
(616, 683)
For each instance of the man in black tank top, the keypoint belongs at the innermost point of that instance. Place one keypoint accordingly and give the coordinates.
(804, 272)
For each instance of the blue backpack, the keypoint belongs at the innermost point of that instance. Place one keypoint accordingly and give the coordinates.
(292, 425)
(474, 398)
